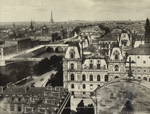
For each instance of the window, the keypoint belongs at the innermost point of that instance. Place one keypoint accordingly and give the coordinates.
(139, 77)
(19, 108)
(72, 86)
(98, 66)
(91, 77)
(106, 78)
(72, 92)
(138, 57)
(72, 76)
(98, 78)
(116, 54)
(145, 78)
(144, 62)
(84, 92)
(91, 66)
(116, 57)
(116, 77)
(83, 77)
(84, 87)
(12, 107)
(72, 66)
(116, 68)
(72, 53)
(104, 66)
(149, 79)
(144, 70)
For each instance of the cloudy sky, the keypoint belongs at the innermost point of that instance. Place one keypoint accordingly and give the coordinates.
(64, 10)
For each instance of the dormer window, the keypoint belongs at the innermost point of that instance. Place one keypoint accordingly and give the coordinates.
(116, 55)
(116, 68)
(98, 66)
(72, 66)
(91, 66)
(72, 53)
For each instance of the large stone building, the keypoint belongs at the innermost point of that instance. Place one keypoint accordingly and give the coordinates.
(87, 67)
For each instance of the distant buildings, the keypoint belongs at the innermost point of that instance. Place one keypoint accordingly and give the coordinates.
(28, 100)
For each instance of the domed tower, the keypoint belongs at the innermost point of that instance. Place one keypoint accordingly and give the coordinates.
(147, 30)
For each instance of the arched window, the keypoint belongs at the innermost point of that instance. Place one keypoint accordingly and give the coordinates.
(72, 86)
(116, 77)
(91, 77)
(72, 76)
(139, 77)
(72, 53)
(72, 66)
(98, 78)
(116, 54)
(145, 78)
(84, 86)
(83, 77)
(116, 68)
(116, 57)
(106, 78)
(91, 86)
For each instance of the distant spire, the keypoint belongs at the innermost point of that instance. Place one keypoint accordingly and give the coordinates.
(31, 25)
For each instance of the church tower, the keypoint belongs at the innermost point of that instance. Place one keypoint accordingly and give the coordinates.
(51, 21)
(147, 31)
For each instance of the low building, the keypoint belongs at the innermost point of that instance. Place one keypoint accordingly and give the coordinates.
(27, 100)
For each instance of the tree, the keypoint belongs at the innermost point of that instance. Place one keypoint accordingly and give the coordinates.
(42, 67)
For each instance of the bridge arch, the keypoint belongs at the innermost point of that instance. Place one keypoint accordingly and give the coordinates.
(59, 49)
(49, 49)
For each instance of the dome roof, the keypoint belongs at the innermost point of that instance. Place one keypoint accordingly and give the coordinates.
(116, 95)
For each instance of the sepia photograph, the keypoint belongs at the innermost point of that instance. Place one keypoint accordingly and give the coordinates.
(74, 57)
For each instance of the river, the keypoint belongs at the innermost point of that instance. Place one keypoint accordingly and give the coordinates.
(6, 70)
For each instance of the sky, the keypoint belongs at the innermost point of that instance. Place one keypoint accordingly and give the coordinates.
(64, 10)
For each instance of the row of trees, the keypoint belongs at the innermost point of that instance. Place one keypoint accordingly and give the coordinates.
(46, 64)
(16, 72)
(21, 70)
(106, 29)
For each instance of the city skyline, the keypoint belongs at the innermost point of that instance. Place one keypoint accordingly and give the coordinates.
(64, 10)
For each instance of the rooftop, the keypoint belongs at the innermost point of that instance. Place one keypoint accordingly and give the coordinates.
(141, 50)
